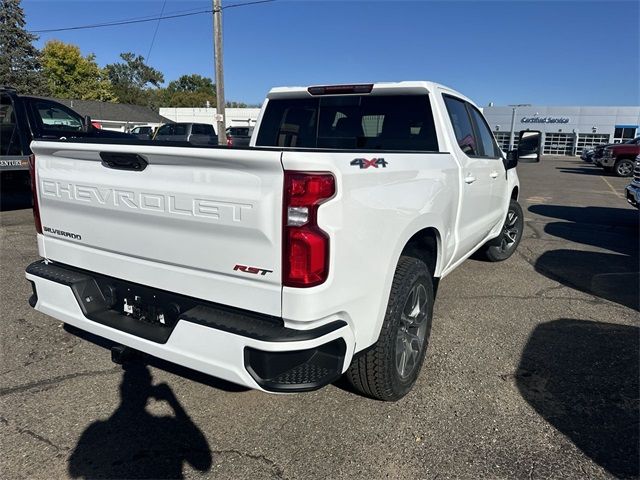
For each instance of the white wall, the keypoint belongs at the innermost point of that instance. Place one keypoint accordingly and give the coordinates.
(234, 116)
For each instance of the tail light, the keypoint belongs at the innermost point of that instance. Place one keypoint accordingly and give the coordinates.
(229, 142)
(305, 255)
(34, 193)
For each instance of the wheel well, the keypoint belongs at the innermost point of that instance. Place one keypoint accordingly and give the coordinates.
(424, 246)
(514, 193)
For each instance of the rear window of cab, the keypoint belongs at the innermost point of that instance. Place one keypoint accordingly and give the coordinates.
(350, 122)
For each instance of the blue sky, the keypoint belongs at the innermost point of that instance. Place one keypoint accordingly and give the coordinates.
(544, 52)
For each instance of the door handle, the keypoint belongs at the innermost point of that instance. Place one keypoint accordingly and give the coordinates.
(493, 174)
(469, 178)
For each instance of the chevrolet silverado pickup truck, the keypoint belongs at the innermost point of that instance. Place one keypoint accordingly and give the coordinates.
(312, 253)
(23, 118)
(618, 157)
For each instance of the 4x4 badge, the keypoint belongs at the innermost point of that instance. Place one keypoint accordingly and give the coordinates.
(364, 163)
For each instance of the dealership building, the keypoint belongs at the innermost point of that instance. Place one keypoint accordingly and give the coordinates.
(565, 130)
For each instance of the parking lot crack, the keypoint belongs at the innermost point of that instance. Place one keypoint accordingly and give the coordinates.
(50, 382)
(277, 470)
(34, 435)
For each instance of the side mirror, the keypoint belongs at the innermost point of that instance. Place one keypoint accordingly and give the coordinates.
(512, 160)
(529, 146)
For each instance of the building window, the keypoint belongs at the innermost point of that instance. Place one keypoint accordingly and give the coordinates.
(558, 144)
(622, 134)
(586, 140)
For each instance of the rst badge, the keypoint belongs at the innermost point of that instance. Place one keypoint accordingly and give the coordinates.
(374, 162)
(252, 270)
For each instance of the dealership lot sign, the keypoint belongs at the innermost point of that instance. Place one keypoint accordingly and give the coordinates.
(544, 120)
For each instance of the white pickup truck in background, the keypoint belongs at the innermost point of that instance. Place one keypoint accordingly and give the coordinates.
(314, 252)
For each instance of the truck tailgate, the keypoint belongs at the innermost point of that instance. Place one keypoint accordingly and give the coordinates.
(201, 222)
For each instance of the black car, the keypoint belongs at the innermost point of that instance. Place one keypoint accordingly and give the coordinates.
(24, 118)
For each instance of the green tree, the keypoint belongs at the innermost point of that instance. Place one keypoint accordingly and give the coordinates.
(70, 75)
(19, 60)
(190, 91)
(236, 105)
(134, 81)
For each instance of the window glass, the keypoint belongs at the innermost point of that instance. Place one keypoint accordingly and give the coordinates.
(165, 130)
(367, 122)
(461, 125)
(55, 117)
(9, 139)
(487, 142)
(179, 129)
(197, 129)
(238, 131)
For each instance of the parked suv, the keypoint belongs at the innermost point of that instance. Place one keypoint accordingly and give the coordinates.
(194, 133)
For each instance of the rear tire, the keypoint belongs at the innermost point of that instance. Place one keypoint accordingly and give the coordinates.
(503, 246)
(623, 167)
(389, 369)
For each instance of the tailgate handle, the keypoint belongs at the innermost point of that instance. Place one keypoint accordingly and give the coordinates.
(123, 161)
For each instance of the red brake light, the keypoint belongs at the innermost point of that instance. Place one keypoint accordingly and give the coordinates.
(229, 141)
(305, 254)
(34, 193)
(340, 89)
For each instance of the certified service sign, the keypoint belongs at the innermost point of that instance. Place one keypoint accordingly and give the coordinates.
(544, 120)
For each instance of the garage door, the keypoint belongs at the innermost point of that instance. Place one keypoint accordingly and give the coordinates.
(558, 144)
(586, 140)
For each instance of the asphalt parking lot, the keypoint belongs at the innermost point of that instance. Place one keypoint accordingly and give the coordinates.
(532, 373)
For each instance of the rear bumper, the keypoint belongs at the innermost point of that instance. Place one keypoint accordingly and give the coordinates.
(633, 194)
(240, 347)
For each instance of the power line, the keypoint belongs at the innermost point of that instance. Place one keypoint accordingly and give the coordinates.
(155, 32)
(246, 4)
(122, 22)
(129, 21)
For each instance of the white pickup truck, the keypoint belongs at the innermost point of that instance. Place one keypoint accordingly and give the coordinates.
(314, 252)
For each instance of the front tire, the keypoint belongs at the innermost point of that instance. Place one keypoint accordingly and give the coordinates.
(389, 369)
(507, 242)
(623, 167)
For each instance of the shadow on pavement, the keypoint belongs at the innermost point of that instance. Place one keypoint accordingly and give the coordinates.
(612, 276)
(133, 443)
(582, 378)
(593, 170)
(606, 216)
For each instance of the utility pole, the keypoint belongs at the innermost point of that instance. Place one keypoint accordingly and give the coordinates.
(217, 43)
(513, 122)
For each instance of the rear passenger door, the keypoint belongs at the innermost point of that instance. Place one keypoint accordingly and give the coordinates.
(476, 213)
